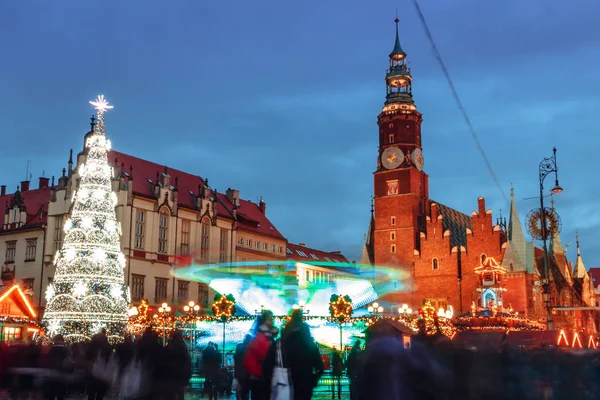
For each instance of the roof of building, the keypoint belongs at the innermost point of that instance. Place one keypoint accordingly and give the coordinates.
(250, 217)
(454, 221)
(299, 252)
(36, 206)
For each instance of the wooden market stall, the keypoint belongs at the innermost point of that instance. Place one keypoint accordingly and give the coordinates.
(18, 319)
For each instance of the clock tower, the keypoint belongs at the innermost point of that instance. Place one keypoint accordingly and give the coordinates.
(401, 186)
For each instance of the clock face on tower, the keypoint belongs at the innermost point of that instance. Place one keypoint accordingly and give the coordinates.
(392, 157)
(417, 159)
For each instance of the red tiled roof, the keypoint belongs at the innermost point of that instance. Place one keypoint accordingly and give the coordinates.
(303, 253)
(36, 206)
(250, 216)
(594, 273)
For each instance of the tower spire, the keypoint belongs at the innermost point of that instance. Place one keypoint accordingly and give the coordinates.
(398, 79)
(397, 48)
(579, 270)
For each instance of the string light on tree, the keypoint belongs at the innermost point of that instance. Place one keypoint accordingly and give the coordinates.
(88, 292)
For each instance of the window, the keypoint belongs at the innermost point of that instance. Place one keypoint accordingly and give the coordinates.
(438, 303)
(160, 291)
(28, 283)
(265, 246)
(11, 333)
(280, 249)
(204, 239)
(393, 248)
(289, 251)
(327, 258)
(185, 236)
(435, 264)
(241, 241)
(30, 249)
(163, 230)
(273, 248)
(183, 290)
(393, 221)
(5, 308)
(257, 245)
(223, 246)
(483, 257)
(11, 249)
(392, 187)
(58, 231)
(301, 253)
(393, 235)
(391, 138)
(137, 287)
(140, 220)
(203, 295)
(314, 256)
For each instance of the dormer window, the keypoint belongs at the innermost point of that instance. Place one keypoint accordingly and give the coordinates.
(15, 213)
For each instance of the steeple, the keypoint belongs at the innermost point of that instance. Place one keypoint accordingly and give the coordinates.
(367, 257)
(516, 246)
(579, 271)
(398, 78)
(556, 245)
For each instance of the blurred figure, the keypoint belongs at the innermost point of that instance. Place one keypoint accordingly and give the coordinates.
(59, 360)
(255, 356)
(98, 355)
(23, 358)
(353, 366)
(337, 368)
(125, 352)
(149, 353)
(300, 356)
(240, 374)
(177, 367)
(211, 362)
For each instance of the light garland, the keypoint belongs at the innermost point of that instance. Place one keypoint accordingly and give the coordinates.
(223, 307)
(88, 292)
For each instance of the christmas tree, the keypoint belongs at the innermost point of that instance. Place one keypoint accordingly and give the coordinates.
(88, 292)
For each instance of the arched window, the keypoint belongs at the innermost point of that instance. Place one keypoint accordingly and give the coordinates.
(204, 239)
(163, 230)
(393, 248)
(435, 263)
(483, 257)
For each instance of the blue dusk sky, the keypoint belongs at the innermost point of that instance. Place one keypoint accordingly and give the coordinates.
(280, 99)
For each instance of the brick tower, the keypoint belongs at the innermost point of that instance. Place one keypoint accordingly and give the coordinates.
(401, 186)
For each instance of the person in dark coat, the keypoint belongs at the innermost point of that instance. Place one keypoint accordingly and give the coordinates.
(337, 368)
(98, 351)
(178, 367)
(59, 360)
(241, 375)
(300, 355)
(353, 367)
(211, 362)
(149, 353)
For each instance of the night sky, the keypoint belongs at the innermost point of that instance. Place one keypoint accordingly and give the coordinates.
(280, 99)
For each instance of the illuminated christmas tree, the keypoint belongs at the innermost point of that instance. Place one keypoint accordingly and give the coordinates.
(88, 292)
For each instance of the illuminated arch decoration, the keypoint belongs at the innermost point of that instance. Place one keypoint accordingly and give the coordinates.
(562, 338)
(576, 341)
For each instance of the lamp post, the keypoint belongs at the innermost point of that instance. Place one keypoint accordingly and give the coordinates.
(164, 311)
(547, 166)
(191, 310)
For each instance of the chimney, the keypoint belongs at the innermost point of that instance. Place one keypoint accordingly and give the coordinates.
(43, 182)
(481, 206)
(233, 196)
(338, 252)
(24, 186)
(2, 190)
(262, 205)
(434, 212)
(301, 245)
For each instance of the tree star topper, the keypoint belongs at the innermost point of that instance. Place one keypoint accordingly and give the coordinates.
(101, 104)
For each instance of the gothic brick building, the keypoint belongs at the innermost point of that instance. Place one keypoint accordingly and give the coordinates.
(441, 247)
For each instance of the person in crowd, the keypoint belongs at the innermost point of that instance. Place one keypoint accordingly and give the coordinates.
(353, 365)
(255, 356)
(240, 373)
(60, 361)
(337, 368)
(177, 367)
(211, 363)
(149, 352)
(125, 352)
(98, 355)
(300, 355)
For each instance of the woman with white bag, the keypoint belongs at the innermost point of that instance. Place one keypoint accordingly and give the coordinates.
(294, 364)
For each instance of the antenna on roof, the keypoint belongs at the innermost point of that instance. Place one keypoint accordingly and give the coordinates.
(27, 170)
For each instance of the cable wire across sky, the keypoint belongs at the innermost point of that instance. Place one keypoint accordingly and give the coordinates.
(438, 56)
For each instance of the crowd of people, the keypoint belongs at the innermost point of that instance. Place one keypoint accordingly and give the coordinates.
(431, 368)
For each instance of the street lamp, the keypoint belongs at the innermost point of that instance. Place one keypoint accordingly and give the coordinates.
(164, 311)
(191, 310)
(547, 166)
